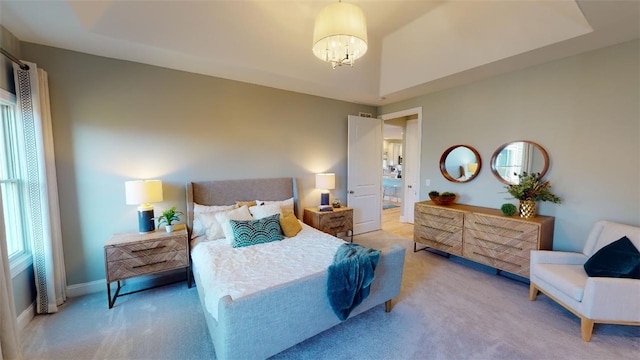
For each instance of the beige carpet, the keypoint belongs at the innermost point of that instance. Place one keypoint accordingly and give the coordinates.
(449, 308)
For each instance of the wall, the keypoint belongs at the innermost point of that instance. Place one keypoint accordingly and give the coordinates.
(116, 120)
(584, 110)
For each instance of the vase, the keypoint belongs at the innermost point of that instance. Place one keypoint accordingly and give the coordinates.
(169, 228)
(527, 209)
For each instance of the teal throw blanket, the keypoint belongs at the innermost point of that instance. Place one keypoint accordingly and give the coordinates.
(350, 277)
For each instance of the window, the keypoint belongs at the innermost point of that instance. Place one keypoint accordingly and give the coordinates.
(12, 184)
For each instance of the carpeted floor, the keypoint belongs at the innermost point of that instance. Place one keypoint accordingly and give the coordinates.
(449, 308)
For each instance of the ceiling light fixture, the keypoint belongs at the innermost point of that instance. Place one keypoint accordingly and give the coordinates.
(340, 34)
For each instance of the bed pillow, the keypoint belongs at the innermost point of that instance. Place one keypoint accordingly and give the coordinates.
(290, 224)
(241, 213)
(253, 232)
(620, 259)
(248, 203)
(259, 212)
(285, 205)
(198, 228)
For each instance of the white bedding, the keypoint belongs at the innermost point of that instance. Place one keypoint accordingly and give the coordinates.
(238, 272)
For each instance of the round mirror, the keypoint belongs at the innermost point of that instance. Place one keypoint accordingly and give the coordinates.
(460, 163)
(517, 157)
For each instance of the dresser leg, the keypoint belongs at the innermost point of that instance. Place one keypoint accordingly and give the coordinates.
(112, 301)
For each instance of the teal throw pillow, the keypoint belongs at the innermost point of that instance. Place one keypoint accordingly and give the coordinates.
(252, 232)
(620, 259)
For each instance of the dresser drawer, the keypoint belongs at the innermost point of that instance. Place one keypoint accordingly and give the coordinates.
(499, 260)
(446, 238)
(147, 264)
(503, 228)
(143, 249)
(498, 244)
(427, 214)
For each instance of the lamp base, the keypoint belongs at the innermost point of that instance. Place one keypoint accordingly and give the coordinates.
(324, 199)
(146, 223)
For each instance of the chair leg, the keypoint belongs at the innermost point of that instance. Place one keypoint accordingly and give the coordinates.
(586, 328)
(533, 292)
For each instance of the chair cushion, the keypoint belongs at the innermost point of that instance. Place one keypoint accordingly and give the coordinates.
(568, 279)
(620, 259)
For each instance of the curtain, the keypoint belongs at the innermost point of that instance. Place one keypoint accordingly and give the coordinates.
(9, 343)
(32, 92)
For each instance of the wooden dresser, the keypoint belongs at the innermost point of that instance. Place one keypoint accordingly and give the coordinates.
(132, 254)
(482, 234)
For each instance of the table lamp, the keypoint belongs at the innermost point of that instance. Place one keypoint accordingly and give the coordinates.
(325, 182)
(143, 193)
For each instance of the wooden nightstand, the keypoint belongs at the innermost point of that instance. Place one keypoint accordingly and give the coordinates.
(332, 222)
(127, 255)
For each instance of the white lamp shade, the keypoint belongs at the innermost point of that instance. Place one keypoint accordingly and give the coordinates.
(326, 181)
(340, 29)
(143, 191)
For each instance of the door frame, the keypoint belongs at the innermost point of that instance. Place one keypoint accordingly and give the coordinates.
(409, 112)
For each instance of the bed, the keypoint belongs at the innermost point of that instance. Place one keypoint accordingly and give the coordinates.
(269, 320)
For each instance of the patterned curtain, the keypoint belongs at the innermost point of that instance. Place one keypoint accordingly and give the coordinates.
(32, 92)
(9, 342)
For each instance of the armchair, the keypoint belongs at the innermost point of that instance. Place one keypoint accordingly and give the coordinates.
(561, 276)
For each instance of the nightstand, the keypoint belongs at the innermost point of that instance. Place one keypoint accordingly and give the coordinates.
(127, 255)
(332, 222)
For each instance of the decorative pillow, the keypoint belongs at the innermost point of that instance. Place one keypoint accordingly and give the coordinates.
(285, 205)
(248, 203)
(259, 212)
(290, 224)
(252, 232)
(620, 259)
(198, 227)
(241, 213)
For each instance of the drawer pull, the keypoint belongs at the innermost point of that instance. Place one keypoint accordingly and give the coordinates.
(336, 227)
(154, 263)
(434, 241)
(341, 217)
(439, 216)
(498, 227)
(435, 228)
(153, 248)
(497, 243)
(492, 258)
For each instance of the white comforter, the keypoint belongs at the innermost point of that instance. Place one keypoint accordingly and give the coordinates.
(238, 272)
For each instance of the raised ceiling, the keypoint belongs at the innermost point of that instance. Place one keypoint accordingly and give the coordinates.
(415, 47)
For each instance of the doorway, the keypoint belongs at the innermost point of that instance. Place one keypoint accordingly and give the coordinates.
(401, 162)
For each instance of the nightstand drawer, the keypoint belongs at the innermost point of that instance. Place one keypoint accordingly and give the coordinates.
(123, 269)
(336, 222)
(144, 249)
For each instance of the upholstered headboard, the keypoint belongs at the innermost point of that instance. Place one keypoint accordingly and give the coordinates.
(227, 192)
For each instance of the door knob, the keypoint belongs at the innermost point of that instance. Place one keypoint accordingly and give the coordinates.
(410, 186)
(351, 192)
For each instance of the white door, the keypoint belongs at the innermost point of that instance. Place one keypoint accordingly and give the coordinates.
(364, 173)
(409, 170)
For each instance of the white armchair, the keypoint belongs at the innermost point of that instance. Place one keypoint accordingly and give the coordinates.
(561, 276)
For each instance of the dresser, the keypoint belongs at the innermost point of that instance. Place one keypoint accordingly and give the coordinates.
(340, 220)
(129, 255)
(482, 234)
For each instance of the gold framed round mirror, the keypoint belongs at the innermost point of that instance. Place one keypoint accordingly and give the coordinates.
(460, 163)
(516, 157)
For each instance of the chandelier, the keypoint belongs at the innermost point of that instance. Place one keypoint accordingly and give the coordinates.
(340, 34)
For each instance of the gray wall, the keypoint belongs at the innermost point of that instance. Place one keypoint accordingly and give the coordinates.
(584, 110)
(116, 120)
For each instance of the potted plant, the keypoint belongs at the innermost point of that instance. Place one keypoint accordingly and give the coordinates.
(168, 217)
(530, 189)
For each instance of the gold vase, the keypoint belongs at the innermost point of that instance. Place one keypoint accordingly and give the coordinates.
(527, 209)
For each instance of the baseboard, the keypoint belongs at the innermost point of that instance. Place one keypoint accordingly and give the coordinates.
(86, 288)
(26, 316)
(96, 286)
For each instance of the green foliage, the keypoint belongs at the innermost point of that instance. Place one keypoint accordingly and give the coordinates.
(531, 187)
(444, 194)
(508, 209)
(434, 193)
(169, 216)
